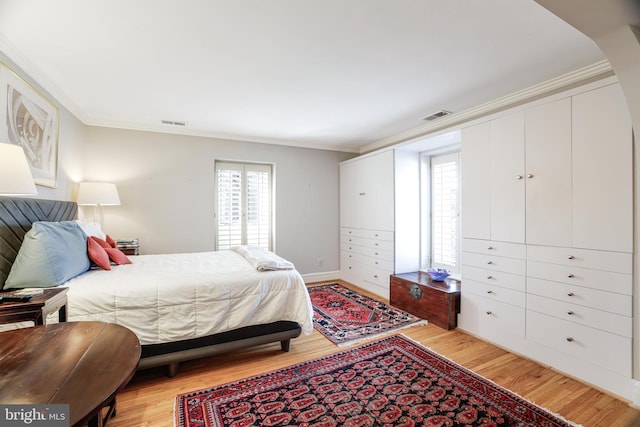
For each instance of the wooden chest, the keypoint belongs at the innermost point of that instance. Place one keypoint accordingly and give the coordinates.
(437, 302)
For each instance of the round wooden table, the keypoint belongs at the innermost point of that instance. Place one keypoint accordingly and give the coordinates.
(83, 364)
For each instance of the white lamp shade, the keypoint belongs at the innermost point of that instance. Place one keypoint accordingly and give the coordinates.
(98, 193)
(15, 175)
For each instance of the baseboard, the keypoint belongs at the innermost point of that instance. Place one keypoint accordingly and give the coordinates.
(321, 277)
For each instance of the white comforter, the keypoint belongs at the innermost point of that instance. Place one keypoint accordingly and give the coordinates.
(165, 298)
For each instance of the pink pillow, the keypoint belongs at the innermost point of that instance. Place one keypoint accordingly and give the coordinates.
(101, 242)
(111, 242)
(98, 254)
(117, 256)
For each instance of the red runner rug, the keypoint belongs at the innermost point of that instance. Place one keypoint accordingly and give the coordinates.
(389, 382)
(345, 316)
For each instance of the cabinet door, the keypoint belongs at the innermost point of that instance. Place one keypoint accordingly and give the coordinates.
(476, 181)
(379, 170)
(602, 171)
(507, 178)
(548, 169)
(347, 189)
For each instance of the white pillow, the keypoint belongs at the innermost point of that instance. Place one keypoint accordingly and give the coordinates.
(91, 228)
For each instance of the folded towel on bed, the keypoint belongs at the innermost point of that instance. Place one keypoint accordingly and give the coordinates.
(262, 259)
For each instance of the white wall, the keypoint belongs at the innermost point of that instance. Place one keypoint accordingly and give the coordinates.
(166, 187)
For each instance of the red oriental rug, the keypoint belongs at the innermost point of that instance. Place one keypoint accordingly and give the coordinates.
(345, 316)
(389, 382)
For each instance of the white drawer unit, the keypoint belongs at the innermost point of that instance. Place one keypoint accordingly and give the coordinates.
(495, 278)
(603, 349)
(495, 293)
(598, 319)
(489, 247)
(600, 300)
(496, 321)
(618, 262)
(595, 279)
(497, 263)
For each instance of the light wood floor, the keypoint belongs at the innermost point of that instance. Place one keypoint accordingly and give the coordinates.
(149, 398)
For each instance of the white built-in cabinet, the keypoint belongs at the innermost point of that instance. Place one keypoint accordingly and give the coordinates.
(379, 218)
(547, 223)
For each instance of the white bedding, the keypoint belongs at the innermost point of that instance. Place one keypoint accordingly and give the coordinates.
(165, 298)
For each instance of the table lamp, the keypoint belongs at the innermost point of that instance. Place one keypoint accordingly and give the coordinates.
(15, 175)
(98, 194)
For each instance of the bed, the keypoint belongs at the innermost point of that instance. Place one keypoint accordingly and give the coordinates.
(181, 306)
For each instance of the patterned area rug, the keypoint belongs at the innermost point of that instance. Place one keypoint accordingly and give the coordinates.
(390, 382)
(345, 316)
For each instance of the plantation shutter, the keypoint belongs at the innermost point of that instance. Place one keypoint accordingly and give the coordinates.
(445, 212)
(243, 205)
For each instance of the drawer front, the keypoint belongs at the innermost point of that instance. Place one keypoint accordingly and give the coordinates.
(370, 243)
(358, 272)
(367, 251)
(497, 278)
(600, 348)
(495, 293)
(618, 262)
(600, 300)
(490, 247)
(365, 233)
(594, 279)
(496, 321)
(371, 261)
(496, 263)
(590, 317)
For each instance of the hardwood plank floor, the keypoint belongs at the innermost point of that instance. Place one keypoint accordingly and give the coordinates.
(149, 398)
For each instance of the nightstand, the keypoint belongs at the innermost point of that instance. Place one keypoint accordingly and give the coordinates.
(37, 308)
(129, 246)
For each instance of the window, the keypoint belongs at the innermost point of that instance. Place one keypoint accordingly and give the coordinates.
(243, 205)
(445, 212)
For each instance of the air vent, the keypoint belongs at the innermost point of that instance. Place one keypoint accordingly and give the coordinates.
(174, 123)
(437, 115)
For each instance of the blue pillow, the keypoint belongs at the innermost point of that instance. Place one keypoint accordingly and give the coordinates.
(51, 253)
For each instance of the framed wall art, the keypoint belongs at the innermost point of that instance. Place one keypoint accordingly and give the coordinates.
(29, 120)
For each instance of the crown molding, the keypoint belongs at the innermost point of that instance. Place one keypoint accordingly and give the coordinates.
(583, 75)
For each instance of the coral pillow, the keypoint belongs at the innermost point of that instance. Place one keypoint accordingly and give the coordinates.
(101, 242)
(111, 242)
(97, 253)
(117, 256)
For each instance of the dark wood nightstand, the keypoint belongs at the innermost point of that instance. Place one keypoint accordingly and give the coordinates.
(37, 308)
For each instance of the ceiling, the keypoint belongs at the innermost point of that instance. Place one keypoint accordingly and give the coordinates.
(328, 74)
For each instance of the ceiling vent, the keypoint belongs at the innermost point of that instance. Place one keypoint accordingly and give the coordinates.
(174, 123)
(437, 115)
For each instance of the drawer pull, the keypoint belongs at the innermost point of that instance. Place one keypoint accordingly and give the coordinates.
(570, 276)
(375, 276)
(570, 313)
(375, 235)
(569, 339)
(518, 176)
(489, 277)
(376, 262)
(529, 175)
(571, 257)
(376, 244)
(489, 262)
(489, 313)
(489, 291)
(362, 194)
(570, 294)
(489, 247)
(376, 253)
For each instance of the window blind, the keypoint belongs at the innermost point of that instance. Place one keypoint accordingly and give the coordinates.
(445, 212)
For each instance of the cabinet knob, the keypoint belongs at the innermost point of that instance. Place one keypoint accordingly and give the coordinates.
(529, 175)
(570, 339)
(489, 291)
(361, 194)
(489, 277)
(375, 276)
(570, 313)
(375, 235)
(571, 257)
(489, 313)
(570, 294)
(376, 262)
(570, 276)
(489, 247)
(518, 176)
(489, 262)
